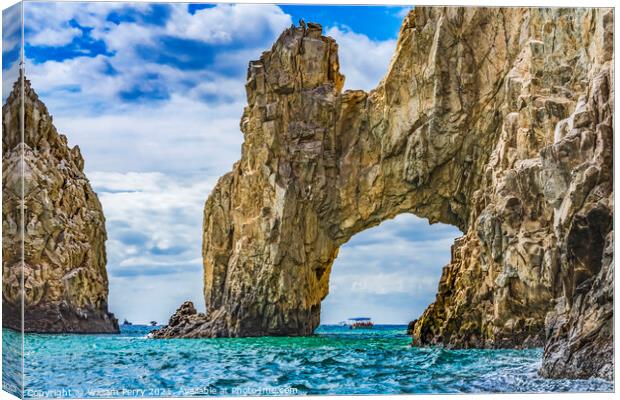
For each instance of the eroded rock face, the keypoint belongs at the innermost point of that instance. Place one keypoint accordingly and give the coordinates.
(487, 119)
(579, 170)
(64, 264)
(546, 209)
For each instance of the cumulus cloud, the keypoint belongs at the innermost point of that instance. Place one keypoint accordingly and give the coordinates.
(45, 15)
(54, 37)
(142, 57)
(11, 28)
(227, 23)
(179, 136)
(154, 225)
(159, 214)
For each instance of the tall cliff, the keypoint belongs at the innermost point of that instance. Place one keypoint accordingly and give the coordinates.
(497, 121)
(65, 284)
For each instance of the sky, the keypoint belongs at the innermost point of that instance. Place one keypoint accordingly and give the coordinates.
(153, 94)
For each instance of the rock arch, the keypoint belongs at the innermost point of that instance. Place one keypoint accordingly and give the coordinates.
(488, 119)
(318, 166)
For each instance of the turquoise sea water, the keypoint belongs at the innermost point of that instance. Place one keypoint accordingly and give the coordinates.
(334, 361)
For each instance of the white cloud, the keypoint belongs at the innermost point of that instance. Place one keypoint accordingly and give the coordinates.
(154, 224)
(52, 78)
(363, 61)
(54, 37)
(156, 210)
(178, 136)
(386, 283)
(123, 37)
(43, 15)
(129, 182)
(225, 23)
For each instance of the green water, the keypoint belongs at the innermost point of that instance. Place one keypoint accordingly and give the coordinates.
(334, 361)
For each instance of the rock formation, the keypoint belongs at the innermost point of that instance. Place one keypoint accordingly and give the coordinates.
(545, 209)
(182, 323)
(497, 121)
(65, 284)
(578, 171)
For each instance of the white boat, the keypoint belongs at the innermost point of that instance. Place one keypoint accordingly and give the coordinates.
(360, 323)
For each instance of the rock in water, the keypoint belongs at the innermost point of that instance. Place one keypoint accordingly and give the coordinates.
(182, 323)
(497, 121)
(64, 264)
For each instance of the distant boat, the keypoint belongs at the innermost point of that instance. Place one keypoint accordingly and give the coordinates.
(342, 323)
(360, 323)
(126, 323)
(153, 323)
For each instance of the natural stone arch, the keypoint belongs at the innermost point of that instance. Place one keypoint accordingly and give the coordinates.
(321, 165)
(317, 168)
(470, 127)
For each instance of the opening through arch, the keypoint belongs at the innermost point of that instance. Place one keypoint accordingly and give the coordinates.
(389, 272)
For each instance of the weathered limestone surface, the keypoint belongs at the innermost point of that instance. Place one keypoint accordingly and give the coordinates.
(546, 210)
(64, 265)
(579, 172)
(497, 121)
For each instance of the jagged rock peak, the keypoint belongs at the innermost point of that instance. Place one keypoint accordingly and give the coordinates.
(64, 265)
(300, 60)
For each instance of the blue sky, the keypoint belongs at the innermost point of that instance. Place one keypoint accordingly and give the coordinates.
(153, 93)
